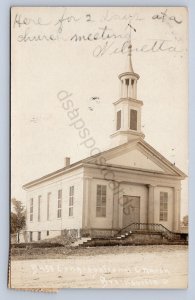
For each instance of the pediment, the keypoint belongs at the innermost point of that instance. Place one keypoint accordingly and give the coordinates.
(139, 155)
(136, 159)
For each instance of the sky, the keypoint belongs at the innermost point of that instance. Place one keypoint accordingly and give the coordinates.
(82, 51)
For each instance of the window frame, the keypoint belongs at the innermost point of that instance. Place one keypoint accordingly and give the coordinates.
(31, 209)
(163, 207)
(39, 236)
(101, 200)
(59, 210)
(133, 119)
(71, 201)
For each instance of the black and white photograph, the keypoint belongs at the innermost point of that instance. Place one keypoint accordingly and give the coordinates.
(99, 148)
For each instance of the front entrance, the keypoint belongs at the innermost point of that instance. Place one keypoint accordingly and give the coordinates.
(131, 210)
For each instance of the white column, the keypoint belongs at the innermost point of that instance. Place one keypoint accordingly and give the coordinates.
(115, 214)
(131, 89)
(87, 202)
(123, 88)
(135, 89)
(151, 203)
(127, 88)
(121, 94)
(176, 208)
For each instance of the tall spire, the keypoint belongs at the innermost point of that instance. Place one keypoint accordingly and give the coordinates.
(130, 48)
(130, 61)
(127, 107)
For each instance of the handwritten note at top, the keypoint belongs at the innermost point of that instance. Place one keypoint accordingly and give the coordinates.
(89, 28)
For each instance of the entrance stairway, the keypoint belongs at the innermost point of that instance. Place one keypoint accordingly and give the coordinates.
(82, 241)
(137, 234)
(150, 228)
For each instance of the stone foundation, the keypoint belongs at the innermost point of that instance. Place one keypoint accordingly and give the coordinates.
(145, 238)
(75, 233)
(98, 233)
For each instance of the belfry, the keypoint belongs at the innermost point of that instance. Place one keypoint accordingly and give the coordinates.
(127, 107)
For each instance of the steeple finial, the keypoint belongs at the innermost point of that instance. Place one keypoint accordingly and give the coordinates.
(130, 48)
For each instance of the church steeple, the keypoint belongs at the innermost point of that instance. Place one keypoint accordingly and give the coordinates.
(130, 61)
(128, 107)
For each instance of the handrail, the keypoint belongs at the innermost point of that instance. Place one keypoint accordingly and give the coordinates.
(150, 227)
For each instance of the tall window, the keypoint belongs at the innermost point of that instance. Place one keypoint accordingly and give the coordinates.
(133, 119)
(39, 235)
(39, 208)
(118, 120)
(163, 206)
(71, 200)
(31, 236)
(101, 201)
(59, 214)
(48, 205)
(31, 209)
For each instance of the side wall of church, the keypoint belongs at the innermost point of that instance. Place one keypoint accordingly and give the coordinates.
(52, 223)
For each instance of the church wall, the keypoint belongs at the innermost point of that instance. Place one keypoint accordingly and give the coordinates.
(54, 225)
(85, 195)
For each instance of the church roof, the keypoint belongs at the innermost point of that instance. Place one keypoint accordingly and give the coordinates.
(160, 165)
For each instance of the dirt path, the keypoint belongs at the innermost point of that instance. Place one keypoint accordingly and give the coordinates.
(127, 267)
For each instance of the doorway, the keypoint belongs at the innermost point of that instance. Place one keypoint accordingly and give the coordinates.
(131, 210)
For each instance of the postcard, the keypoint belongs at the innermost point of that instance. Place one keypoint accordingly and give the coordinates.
(99, 148)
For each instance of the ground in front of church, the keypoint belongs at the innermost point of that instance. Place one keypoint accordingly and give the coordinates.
(158, 266)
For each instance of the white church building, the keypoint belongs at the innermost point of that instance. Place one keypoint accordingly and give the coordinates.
(100, 195)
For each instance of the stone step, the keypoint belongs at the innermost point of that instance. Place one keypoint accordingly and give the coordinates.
(123, 240)
(81, 241)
